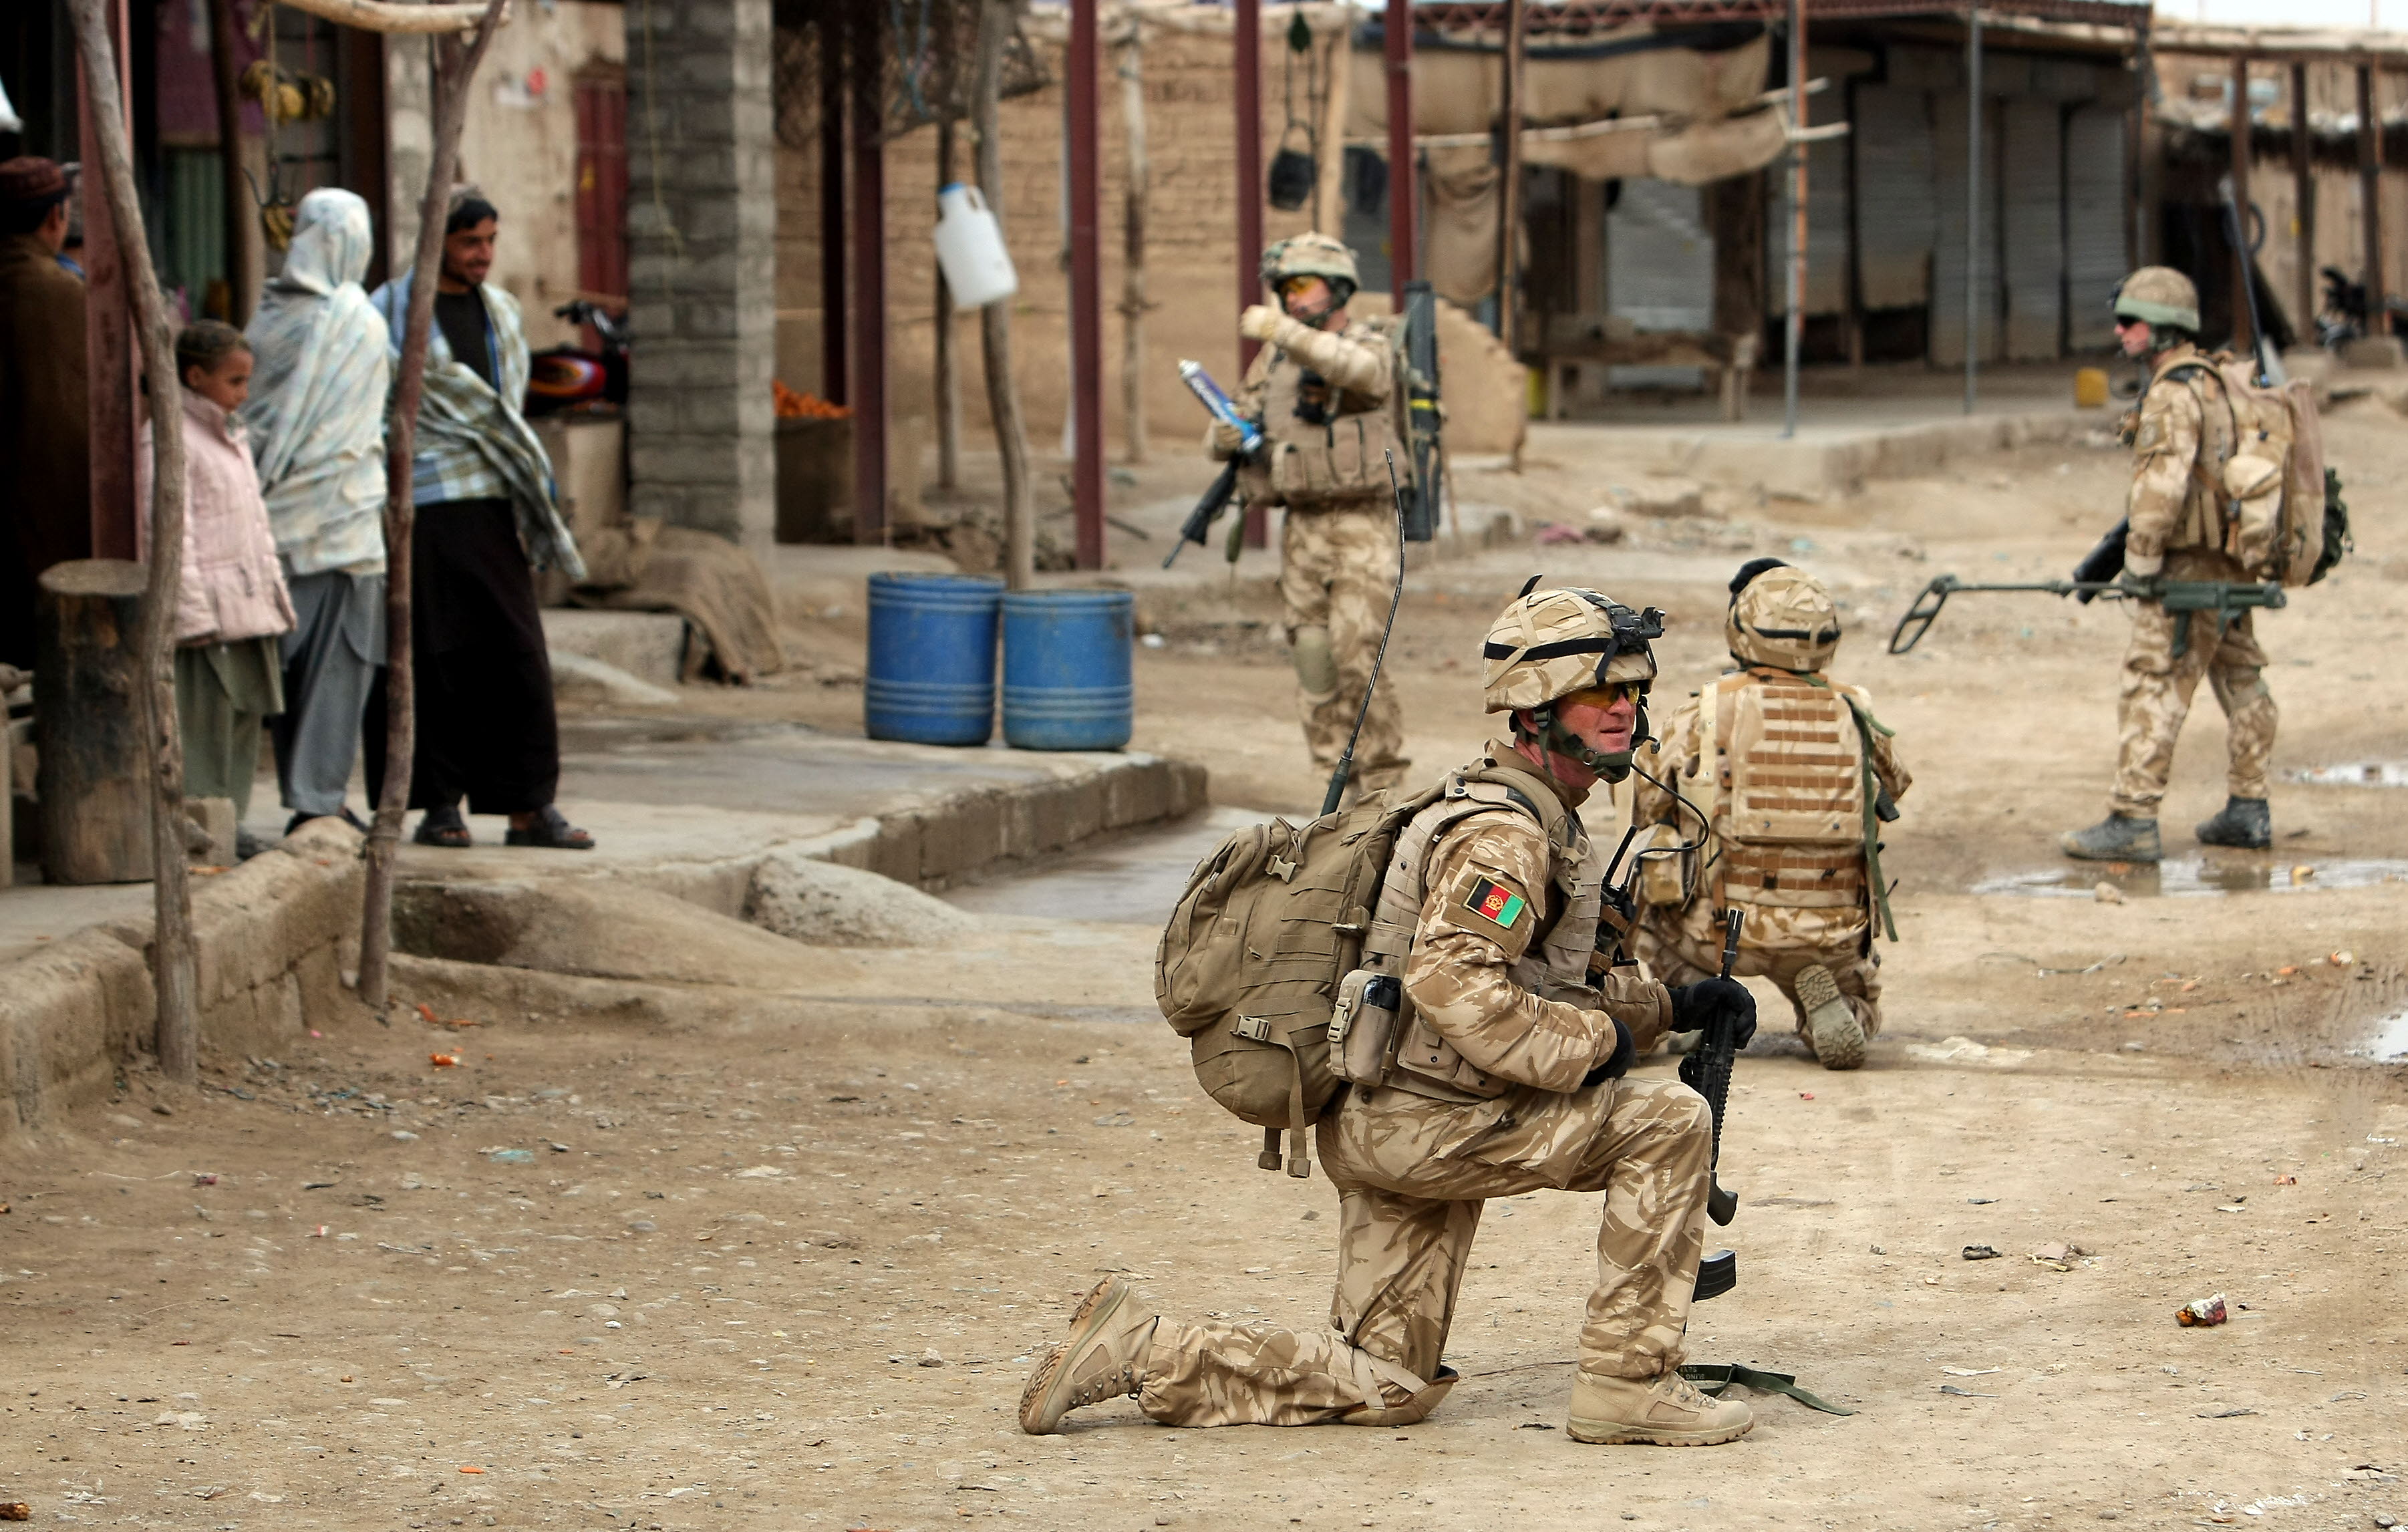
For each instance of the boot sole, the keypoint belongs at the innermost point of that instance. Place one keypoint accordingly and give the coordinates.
(1832, 1029)
(1041, 1409)
(2137, 853)
(1615, 1434)
(2265, 845)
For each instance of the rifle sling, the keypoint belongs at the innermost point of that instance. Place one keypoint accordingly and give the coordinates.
(1713, 1378)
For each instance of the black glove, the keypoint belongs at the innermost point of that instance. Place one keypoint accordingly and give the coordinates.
(1614, 1067)
(1695, 1005)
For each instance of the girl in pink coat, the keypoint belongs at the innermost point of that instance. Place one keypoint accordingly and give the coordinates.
(232, 603)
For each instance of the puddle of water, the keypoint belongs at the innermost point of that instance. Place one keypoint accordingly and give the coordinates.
(2188, 876)
(2390, 1044)
(2356, 774)
(1133, 879)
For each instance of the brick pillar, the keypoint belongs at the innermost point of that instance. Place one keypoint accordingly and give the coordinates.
(702, 217)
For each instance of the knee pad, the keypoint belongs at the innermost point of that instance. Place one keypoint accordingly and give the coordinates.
(1316, 663)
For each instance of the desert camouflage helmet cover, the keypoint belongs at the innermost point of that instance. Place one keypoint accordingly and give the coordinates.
(2158, 295)
(1309, 255)
(1782, 616)
(1549, 644)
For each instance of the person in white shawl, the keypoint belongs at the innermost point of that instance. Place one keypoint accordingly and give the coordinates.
(316, 419)
(487, 518)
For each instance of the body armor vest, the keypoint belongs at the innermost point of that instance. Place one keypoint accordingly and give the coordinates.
(1789, 805)
(1341, 457)
(1407, 1051)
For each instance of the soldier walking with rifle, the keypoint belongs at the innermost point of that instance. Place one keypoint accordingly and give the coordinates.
(1497, 1067)
(2176, 533)
(1316, 423)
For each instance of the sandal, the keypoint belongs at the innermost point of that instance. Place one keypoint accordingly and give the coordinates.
(444, 827)
(552, 830)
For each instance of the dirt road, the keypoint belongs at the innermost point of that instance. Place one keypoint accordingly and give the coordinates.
(777, 1252)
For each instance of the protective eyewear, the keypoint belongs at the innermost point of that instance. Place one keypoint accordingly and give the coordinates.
(1289, 287)
(1605, 696)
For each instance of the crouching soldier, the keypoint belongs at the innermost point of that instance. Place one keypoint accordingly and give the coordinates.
(1789, 775)
(1506, 1076)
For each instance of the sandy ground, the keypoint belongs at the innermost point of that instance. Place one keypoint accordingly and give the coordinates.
(675, 1254)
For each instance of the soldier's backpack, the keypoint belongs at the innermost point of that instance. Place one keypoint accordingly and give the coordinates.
(2284, 517)
(1248, 968)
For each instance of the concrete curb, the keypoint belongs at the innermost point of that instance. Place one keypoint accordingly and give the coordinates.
(273, 937)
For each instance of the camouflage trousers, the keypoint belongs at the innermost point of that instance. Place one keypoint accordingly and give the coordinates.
(1337, 569)
(1411, 1189)
(2158, 687)
(1681, 946)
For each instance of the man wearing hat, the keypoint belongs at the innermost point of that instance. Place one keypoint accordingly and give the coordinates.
(2183, 436)
(45, 435)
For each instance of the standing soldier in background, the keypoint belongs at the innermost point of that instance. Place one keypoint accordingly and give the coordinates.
(1324, 389)
(2176, 518)
(1793, 774)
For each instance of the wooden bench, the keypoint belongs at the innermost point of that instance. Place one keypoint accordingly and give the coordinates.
(1570, 339)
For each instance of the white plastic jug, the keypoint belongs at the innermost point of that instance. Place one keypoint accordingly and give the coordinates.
(971, 249)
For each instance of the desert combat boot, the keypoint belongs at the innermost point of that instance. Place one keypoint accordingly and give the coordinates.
(2246, 822)
(1832, 1029)
(2118, 837)
(1665, 1411)
(1103, 1359)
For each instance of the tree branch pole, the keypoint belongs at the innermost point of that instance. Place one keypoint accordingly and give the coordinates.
(994, 319)
(454, 68)
(173, 978)
(1134, 203)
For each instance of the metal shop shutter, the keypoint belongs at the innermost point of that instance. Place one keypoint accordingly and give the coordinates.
(1895, 204)
(1659, 270)
(1948, 248)
(1827, 230)
(2033, 238)
(2094, 225)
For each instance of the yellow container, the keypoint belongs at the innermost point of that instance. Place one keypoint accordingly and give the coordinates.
(2089, 388)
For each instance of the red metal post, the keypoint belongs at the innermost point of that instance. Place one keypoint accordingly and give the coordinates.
(867, 389)
(1086, 292)
(832, 221)
(1249, 66)
(109, 357)
(1403, 232)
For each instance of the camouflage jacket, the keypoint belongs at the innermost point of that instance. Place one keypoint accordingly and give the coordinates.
(1507, 918)
(2179, 445)
(1322, 444)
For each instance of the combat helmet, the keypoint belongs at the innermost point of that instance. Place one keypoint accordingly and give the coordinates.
(1781, 616)
(1311, 255)
(1547, 645)
(2159, 297)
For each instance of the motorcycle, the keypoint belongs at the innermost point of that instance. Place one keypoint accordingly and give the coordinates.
(561, 378)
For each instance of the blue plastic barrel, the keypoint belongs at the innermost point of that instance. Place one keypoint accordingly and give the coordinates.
(1066, 669)
(932, 658)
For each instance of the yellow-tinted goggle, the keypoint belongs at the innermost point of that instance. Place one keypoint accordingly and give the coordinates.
(1288, 287)
(1605, 696)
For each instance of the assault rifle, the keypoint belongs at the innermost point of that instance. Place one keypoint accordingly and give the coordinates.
(2181, 596)
(1198, 525)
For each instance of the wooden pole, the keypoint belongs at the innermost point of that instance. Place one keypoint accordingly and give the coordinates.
(866, 225)
(172, 968)
(1972, 206)
(1086, 289)
(2303, 218)
(948, 381)
(833, 363)
(2243, 338)
(1248, 66)
(1403, 232)
(225, 71)
(1509, 183)
(1329, 179)
(1134, 206)
(1793, 329)
(109, 343)
(2369, 201)
(454, 70)
(994, 319)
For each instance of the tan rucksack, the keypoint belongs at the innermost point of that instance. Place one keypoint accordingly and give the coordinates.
(2276, 493)
(1247, 969)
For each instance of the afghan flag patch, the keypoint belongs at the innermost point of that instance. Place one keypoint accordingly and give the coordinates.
(1493, 902)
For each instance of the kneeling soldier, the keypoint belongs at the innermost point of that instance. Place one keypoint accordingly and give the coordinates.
(1507, 1077)
(1791, 774)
